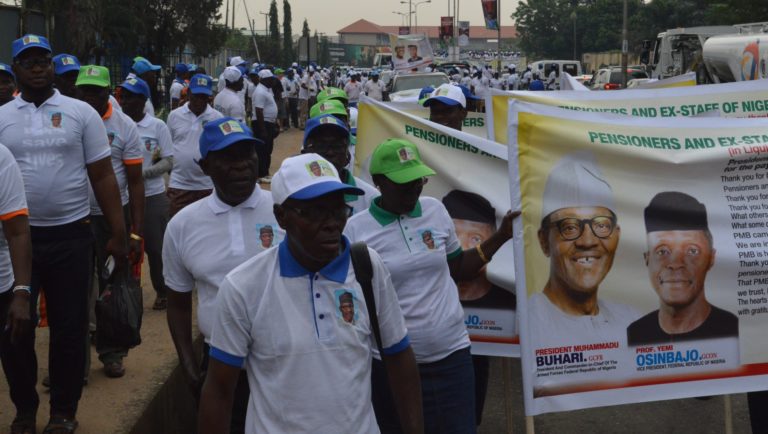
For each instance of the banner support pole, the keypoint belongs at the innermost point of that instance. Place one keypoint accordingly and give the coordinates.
(506, 374)
(529, 429)
(728, 414)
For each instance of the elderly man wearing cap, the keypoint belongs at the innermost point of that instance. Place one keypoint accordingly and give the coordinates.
(680, 253)
(157, 147)
(188, 183)
(180, 82)
(329, 137)
(224, 226)
(56, 179)
(66, 67)
(264, 121)
(93, 84)
(417, 240)
(303, 358)
(7, 83)
(227, 101)
(145, 70)
(579, 234)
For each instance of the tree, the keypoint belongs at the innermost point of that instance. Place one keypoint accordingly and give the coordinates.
(305, 29)
(288, 53)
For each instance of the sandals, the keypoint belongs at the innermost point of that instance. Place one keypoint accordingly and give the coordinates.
(24, 424)
(60, 425)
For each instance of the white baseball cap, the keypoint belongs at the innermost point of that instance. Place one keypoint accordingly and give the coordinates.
(231, 74)
(307, 176)
(576, 181)
(447, 93)
(265, 73)
(237, 60)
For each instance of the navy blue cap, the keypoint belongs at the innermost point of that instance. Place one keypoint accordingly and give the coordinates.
(136, 85)
(536, 85)
(29, 41)
(7, 69)
(181, 68)
(425, 92)
(63, 63)
(468, 93)
(201, 84)
(323, 120)
(223, 132)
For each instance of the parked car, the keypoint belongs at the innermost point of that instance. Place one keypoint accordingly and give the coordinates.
(406, 86)
(610, 78)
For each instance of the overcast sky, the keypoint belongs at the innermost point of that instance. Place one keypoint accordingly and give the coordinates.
(329, 16)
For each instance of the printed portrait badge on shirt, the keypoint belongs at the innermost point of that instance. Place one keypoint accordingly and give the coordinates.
(429, 239)
(346, 306)
(56, 118)
(320, 168)
(230, 127)
(268, 235)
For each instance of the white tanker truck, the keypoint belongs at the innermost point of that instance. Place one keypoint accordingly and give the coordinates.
(718, 54)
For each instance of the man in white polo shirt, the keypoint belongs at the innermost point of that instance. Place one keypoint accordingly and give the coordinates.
(188, 182)
(264, 121)
(157, 147)
(179, 84)
(93, 84)
(60, 145)
(280, 314)
(17, 340)
(227, 101)
(227, 226)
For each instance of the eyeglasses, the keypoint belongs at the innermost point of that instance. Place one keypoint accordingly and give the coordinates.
(572, 228)
(32, 62)
(316, 214)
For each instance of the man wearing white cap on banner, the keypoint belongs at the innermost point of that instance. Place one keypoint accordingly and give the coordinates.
(227, 102)
(579, 233)
(285, 315)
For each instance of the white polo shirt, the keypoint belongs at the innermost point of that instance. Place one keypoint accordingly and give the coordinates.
(428, 296)
(228, 103)
(358, 204)
(374, 89)
(176, 88)
(303, 93)
(53, 144)
(186, 128)
(123, 140)
(13, 203)
(308, 364)
(155, 143)
(209, 238)
(264, 99)
(353, 90)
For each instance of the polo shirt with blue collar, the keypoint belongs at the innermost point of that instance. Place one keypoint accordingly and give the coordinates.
(416, 248)
(308, 359)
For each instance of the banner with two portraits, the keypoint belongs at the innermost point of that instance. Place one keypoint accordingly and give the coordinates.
(641, 255)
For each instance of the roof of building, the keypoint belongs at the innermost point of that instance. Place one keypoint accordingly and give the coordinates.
(363, 26)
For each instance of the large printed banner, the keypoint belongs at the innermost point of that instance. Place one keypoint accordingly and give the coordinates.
(473, 124)
(473, 171)
(641, 256)
(411, 52)
(742, 99)
(687, 79)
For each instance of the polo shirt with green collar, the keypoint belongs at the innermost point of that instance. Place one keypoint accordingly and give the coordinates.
(416, 248)
(358, 204)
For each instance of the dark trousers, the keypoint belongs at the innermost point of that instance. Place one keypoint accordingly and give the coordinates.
(447, 393)
(264, 151)
(758, 416)
(293, 111)
(19, 362)
(108, 352)
(242, 394)
(155, 222)
(482, 368)
(62, 265)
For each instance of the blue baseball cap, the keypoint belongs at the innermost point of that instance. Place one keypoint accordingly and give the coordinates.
(326, 120)
(468, 93)
(181, 68)
(201, 84)
(536, 85)
(7, 69)
(191, 67)
(136, 85)
(63, 63)
(143, 65)
(425, 92)
(223, 132)
(29, 41)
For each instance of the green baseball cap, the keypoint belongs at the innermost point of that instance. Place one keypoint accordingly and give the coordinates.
(332, 93)
(93, 75)
(399, 160)
(328, 107)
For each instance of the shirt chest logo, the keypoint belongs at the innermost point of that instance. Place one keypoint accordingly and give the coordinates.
(347, 306)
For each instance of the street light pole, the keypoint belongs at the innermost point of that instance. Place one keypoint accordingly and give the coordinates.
(266, 25)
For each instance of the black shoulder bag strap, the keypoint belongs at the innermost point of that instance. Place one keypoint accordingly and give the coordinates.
(361, 262)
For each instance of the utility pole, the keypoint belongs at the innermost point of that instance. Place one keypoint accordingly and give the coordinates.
(253, 31)
(624, 49)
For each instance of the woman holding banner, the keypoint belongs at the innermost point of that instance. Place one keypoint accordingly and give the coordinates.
(417, 240)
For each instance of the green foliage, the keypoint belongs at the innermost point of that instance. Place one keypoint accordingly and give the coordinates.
(545, 27)
(289, 55)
